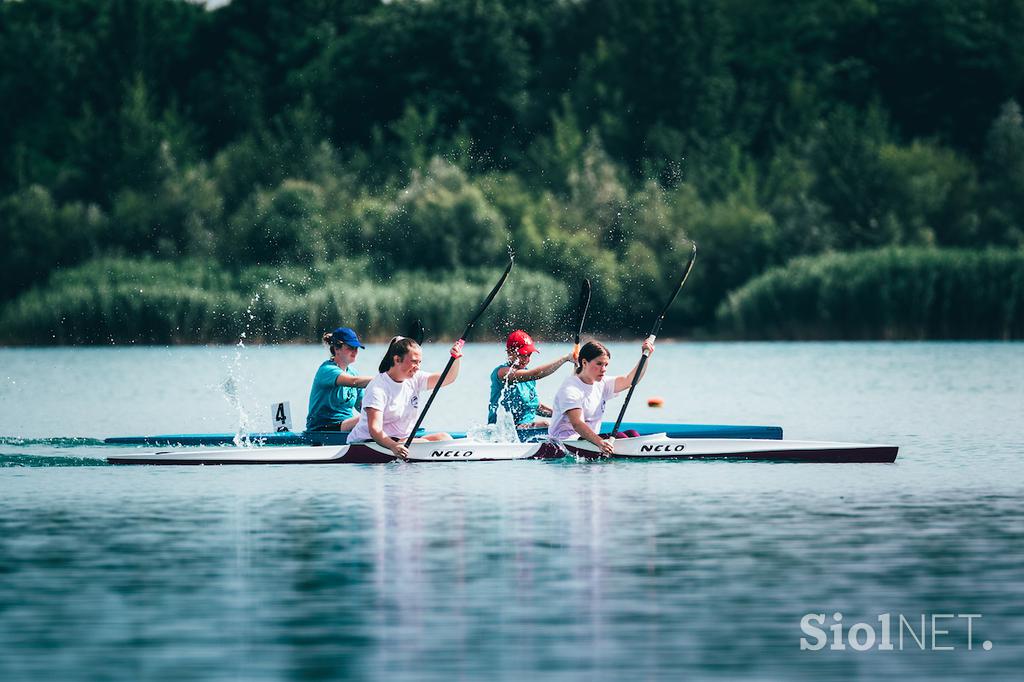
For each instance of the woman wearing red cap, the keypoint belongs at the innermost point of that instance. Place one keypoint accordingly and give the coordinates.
(515, 388)
(337, 392)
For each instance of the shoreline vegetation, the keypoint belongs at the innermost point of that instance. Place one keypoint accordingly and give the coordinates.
(892, 293)
(905, 294)
(177, 174)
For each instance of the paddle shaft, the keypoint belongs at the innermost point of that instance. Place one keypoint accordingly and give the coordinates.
(653, 335)
(461, 342)
(581, 315)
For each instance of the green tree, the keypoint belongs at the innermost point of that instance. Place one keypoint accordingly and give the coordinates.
(786, 190)
(461, 59)
(77, 59)
(597, 195)
(849, 179)
(933, 193)
(281, 226)
(39, 235)
(654, 63)
(557, 154)
(1003, 178)
(440, 220)
(251, 60)
(943, 67)
(182, 216)
(737, 240)
(289, 146)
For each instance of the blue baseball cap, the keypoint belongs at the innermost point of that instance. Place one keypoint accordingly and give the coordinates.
(346, 336)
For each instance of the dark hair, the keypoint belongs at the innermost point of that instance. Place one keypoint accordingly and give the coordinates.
(328, 339)
(400, 346)
(589, 351)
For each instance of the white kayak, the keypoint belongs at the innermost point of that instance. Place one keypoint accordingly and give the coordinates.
(662, 446)
(653, 446)
(460, 450)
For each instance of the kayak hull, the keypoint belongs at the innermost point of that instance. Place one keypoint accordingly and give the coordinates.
(655, 446)
(357, 453)
(662, 446)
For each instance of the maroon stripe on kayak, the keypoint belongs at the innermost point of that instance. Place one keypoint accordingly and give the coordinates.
(356, 454)
(884, 454)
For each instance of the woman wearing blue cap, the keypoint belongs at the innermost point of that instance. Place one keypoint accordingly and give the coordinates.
(337, 393)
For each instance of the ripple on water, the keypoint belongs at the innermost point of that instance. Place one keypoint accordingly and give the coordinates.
(595, 570)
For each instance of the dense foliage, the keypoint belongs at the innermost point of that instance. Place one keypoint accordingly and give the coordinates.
(893, 293)
(420, 136)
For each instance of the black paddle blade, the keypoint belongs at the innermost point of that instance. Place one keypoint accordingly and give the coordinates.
(490, 297)
(416, 333)
(654, 332)
(675, 292)
(581, 309)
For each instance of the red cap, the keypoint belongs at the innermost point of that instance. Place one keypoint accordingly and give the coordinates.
(520, 342)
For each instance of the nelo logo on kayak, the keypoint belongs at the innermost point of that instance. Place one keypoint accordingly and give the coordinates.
(663, 448)
(451, 454)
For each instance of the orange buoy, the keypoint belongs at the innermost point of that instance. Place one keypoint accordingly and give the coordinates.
(655, 401)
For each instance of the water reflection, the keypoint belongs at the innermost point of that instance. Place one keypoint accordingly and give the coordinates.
(600, 570)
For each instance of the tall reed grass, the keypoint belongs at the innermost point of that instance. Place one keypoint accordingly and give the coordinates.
(128, 301)
(892, 293)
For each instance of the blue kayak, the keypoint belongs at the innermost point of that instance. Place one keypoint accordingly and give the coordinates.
(341, 437)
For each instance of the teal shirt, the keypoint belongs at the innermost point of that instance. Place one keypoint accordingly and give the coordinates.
(520, 399)
(330, 404)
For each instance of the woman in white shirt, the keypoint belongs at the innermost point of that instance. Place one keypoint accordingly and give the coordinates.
(580, 402)
(391, 401)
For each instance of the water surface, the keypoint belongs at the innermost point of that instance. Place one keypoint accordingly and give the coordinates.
(501, 570)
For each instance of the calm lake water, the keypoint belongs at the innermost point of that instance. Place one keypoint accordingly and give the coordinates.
(501, 570)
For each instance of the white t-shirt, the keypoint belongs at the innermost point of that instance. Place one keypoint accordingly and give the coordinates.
(399, 401)
(574, 394)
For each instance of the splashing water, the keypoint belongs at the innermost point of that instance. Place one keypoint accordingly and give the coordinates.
(236, 385)
(231, 390)
(503, 431)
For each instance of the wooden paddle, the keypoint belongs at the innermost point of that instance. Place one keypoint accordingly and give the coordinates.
(654, 334)
(581, 316)
(461, 342)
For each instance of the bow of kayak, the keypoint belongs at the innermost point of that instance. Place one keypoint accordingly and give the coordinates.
(663, 446)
